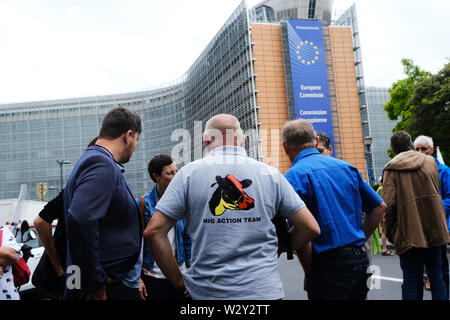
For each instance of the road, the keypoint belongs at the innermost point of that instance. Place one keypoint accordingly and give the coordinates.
(387, 283)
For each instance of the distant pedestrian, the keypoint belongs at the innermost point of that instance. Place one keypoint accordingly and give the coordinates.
(162, 169)
(103, 223)
(228, 200)
(336, 194)
(415, 218)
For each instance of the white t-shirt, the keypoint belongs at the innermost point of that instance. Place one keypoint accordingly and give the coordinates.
(229, 200)
(7, 289)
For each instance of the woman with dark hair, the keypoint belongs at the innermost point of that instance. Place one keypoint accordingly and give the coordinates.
(162, 169)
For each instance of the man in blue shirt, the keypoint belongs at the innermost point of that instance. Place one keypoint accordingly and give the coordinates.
(336, 194)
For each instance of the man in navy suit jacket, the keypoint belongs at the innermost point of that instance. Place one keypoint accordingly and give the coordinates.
(104, 228)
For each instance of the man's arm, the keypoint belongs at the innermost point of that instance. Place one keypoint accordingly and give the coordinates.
(8, 256)
(372, 205)
(373, 219)
(305, 228)
(44, 230)
(156, 236)
(52, 210)
(390, 198)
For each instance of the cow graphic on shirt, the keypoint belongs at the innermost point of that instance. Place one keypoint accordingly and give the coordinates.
(230, 194)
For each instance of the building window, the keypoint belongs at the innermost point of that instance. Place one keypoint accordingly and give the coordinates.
(312, 9)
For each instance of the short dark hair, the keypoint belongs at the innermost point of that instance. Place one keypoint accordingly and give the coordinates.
(118, 121)
(157, 163)
(324, 139)
(401, 141)
(93, 141)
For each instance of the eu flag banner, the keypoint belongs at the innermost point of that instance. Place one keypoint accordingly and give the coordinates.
(309, 74)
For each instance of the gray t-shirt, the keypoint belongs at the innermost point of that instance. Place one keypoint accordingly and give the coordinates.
(228, 200)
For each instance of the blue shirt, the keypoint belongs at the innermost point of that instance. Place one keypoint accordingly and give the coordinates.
(336, 194)
(182, 237)
(444, 177)
(132, 277)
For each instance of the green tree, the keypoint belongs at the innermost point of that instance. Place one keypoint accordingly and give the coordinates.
(422, 101)
(401, 92)
(430, 114)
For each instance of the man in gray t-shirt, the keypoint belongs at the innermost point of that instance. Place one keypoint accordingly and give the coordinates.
(229, 200)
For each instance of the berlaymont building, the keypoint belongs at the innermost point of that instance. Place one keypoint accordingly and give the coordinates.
(278, 61)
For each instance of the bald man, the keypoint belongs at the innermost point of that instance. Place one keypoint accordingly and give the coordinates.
(228, 200)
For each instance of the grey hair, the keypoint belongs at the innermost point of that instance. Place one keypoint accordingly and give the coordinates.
(299, 133)
(423, 140)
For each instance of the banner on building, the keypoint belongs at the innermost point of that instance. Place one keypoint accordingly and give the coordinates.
(309, 74)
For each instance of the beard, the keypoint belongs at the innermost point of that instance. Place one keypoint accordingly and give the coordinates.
(127, 153)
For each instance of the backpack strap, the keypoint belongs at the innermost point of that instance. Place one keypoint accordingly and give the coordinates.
(142, 209)
(142, 204)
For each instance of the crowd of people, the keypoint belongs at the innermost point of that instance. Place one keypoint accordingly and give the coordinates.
(206, 231)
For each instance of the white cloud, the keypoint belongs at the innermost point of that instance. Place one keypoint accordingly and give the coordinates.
(59, 49)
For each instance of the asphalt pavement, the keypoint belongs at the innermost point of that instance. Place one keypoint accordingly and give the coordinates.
(386, 284)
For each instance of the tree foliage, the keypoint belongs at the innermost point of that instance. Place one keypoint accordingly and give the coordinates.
(422, 101)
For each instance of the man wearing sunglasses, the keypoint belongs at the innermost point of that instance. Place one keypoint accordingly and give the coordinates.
(424, 144)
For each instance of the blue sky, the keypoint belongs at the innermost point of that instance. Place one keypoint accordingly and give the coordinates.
(52, 49)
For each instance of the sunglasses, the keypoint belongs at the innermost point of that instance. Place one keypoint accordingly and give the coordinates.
(422, 149)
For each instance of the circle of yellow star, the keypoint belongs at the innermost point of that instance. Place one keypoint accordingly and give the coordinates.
(316, 53)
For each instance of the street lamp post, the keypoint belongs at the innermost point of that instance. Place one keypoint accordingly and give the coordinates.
(61, 163)
(368, 144)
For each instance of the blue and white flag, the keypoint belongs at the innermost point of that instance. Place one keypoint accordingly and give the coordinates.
(439, 155)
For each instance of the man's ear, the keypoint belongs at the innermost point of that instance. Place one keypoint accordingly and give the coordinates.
(127, 136)
(287, 148)
(242, 142)
(206, 141)
(316, 141)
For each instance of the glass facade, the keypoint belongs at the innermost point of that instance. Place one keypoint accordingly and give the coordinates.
(380, 126)
(263, 14)
(34, 135)
(350, 19)
(299, 9)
